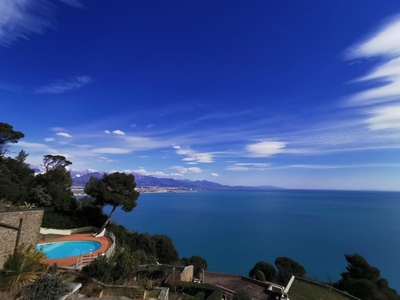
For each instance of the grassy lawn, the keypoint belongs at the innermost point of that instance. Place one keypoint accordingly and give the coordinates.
(301, 290)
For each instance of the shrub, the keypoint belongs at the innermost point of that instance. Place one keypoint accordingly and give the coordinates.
(21, 268)
(46, 287)
(100, 269)
(241, 295)
(200, 295)
(259, 275)
(287, 267)
(198, 262)
(267, 269)
(211, 292)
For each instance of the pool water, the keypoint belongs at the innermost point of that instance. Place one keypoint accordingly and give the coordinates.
(68, 249)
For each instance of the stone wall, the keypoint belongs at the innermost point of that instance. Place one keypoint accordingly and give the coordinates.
(32, 219)
(187, 274)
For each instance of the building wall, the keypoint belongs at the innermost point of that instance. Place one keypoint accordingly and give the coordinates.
(32, 219)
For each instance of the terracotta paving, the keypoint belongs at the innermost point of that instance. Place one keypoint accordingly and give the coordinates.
(70, 261)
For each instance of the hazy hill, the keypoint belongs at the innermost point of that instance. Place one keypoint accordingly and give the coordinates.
(80, 178)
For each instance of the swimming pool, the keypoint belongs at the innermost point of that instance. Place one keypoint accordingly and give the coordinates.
(68, 249)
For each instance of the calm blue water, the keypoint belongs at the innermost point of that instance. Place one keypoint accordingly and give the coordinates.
(233, 230)
(68, 249)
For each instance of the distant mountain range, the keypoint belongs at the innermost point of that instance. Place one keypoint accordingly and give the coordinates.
(81, 177)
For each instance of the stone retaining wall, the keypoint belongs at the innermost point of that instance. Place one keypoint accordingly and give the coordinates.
(187, 274)
(31, 221)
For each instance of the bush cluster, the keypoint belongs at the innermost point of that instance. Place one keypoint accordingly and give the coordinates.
(210, 292)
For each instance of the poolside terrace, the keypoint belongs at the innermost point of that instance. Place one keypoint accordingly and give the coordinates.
(105, 242)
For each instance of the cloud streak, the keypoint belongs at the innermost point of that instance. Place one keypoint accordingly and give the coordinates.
(381, 102)
(112, 150)
(64, 134)
(248, 166)
(10, 88)
(265, 149)
(350, 166)
(117, 132)
(62, 86)
(183, 170)
(20, 19)
(193, 156)
(73, 3)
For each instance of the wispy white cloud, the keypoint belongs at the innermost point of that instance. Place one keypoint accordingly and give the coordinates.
(58, 129)
(49, 139)
(265, 149)
(36, 149)
(150, 126)
(64, 134)
(387, 117)
(383, 42)
(255, 165)
(73, 3)
(20, 19)
(248, 166)
(104, 159)
(112, 150)
(193, 156)
(62, 86)
(143, 171)
(183, 170)
(348, 166)
(237, 168)
(107, 131)
(7, 87)
(175, 174)
(382, 100)
(118, 132)
(214, 174)
(194, 170)
(138, 143)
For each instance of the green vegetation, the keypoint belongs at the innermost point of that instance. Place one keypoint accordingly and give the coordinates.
(46, 287)
(364, 281)
(91, 288)
(259, 275)
(241, 295)
(302, 290)
(360, 280)
(8, 136)
(21, 268)
(116, 189)
(198, 262)
(211, 292)
(268, 272)
(148, 249)
(287, 268)
(52, 191)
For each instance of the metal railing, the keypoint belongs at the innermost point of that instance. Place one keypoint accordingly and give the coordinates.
(86, 259)
(110, 251)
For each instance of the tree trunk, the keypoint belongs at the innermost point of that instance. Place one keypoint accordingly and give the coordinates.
(108, 219)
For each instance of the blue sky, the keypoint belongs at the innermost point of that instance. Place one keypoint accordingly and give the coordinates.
(297, 94)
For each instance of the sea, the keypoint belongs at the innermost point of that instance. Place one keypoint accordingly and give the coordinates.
(233, 230)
